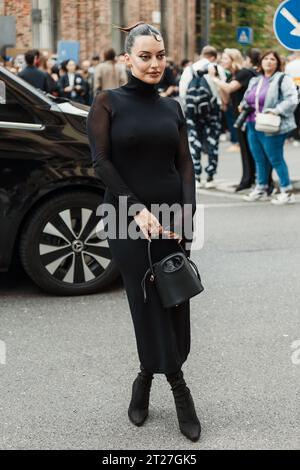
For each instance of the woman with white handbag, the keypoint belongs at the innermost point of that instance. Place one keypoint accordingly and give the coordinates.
(273, 97)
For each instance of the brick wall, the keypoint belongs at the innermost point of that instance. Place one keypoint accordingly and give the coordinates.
(90, 22)
(22, 12)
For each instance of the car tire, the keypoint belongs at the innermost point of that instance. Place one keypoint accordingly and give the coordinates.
(59, 248)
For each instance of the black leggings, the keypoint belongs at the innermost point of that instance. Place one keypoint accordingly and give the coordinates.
(248, 165)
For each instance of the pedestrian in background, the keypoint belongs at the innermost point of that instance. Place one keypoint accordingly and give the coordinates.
(72, 85)
(109, 74)
(121, 61)
(293, 70)
(251, 62)
(45, 65)
(274, 93)
(203, 131)
(167, 85)
(32, 74)
(88, 76)
(232, 60)
(94, 62)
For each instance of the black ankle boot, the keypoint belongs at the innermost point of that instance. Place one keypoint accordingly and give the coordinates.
(189, 423)
(138, 407)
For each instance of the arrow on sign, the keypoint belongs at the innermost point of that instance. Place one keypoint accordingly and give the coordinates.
(289, 17)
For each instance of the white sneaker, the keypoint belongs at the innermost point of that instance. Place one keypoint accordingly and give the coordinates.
(286, 197)
(257, 195)
(210, 184)
(233, 148)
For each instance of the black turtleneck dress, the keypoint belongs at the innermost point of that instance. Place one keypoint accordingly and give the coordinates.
(140, 151)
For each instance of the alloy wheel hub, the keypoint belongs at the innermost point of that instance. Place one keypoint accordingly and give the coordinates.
(77, 246)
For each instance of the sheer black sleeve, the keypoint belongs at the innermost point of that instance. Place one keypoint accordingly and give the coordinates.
(98, 129)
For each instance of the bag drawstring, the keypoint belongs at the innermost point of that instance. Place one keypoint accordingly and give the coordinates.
(143, 283)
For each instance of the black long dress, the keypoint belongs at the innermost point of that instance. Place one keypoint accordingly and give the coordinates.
(140, 150)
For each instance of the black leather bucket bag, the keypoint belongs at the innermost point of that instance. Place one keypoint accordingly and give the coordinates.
(176, 278)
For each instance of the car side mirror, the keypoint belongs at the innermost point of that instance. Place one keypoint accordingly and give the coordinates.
(2, 92)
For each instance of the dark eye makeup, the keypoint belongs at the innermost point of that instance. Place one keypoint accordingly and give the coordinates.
(147, 56)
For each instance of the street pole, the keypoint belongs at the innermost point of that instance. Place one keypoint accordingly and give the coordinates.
(207, 21)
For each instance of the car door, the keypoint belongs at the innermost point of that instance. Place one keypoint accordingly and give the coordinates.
(22, 135)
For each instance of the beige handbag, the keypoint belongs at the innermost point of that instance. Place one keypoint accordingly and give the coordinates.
(265, 122)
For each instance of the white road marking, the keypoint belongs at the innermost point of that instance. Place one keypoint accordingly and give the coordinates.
(232, 204)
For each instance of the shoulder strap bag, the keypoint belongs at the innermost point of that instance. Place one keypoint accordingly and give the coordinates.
(176, 278)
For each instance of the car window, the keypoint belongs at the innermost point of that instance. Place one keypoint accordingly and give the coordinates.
(14, 109)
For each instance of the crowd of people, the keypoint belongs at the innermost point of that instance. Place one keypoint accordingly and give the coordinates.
(80, 82)
(213, 91)
(251, 94)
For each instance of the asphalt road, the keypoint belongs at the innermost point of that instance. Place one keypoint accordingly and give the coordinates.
(66, 379)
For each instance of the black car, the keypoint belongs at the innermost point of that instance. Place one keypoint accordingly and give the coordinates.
(49, 192)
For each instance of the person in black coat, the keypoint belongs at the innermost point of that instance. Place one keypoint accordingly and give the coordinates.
(72, 85)
(31, 74)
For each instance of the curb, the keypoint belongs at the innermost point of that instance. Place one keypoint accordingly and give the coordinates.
(229, 187)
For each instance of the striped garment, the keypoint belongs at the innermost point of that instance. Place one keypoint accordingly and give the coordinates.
(203, 117)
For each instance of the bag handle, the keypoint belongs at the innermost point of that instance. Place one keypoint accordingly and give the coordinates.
(259, 87)
(281, 78)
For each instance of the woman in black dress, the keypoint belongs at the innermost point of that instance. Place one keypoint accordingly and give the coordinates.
(140, 150)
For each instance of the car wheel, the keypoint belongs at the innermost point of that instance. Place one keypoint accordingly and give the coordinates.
(60, 249)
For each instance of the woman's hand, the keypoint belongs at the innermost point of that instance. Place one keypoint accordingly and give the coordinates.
(151, 227)
(172, 235)
(148, 224)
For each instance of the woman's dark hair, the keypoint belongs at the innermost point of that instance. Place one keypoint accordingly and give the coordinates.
(184, 62)
(277, 57)
(55, 69)
(254, 56)
(63, 66)
(139, 29)
(109, 54)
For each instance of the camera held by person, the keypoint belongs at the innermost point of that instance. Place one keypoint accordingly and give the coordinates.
(240, 122)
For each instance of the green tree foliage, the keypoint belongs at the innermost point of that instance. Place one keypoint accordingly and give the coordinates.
(226, 16)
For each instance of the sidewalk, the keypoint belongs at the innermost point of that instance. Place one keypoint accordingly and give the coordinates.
(230, 168)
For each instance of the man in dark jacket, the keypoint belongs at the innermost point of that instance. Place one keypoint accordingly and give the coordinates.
(32, 74)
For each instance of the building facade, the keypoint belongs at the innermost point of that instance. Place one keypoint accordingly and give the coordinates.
(41, 23)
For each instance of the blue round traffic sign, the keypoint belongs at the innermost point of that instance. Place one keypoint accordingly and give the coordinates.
(287, 24)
